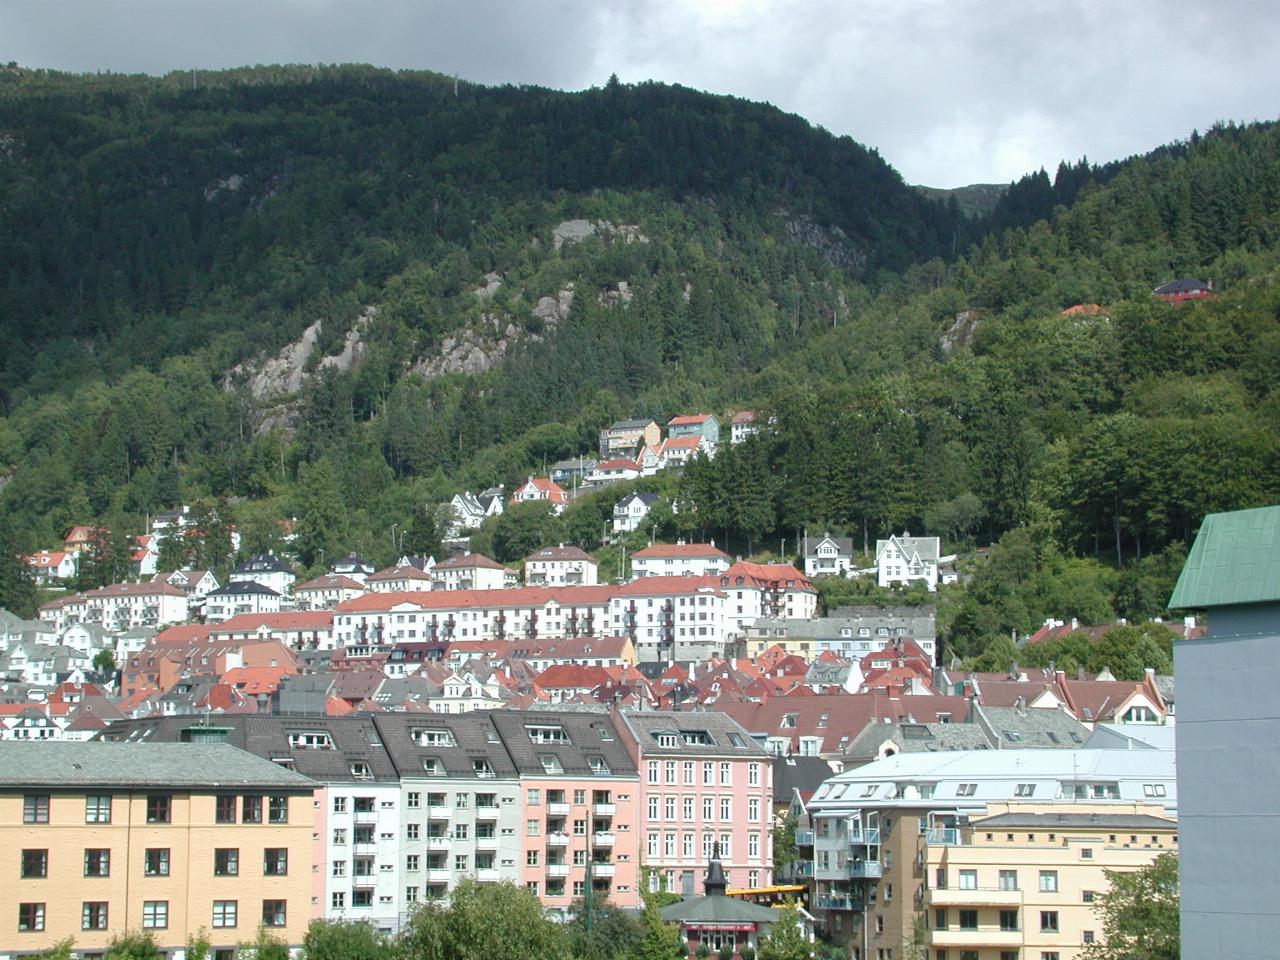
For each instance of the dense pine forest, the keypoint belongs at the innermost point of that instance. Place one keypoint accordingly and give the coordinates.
(163, 237)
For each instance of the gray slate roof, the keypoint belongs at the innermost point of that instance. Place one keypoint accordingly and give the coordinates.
(585, 734)
(176, 765)
(722, 729)
(718, 910)
(797, 773)
(1088, 821)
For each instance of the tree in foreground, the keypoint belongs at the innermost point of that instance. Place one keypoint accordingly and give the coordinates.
(265, 946)
(786, 939)
(344, 940)
(491, 921)
(133, 945)
(1139, 914)
(659, 940)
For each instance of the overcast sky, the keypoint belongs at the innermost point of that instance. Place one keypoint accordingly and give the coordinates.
(949, 91)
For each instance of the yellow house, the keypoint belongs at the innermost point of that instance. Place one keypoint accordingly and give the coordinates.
(1021, 882)
(168, 838)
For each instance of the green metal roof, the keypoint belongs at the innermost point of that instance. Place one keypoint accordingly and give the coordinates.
(1235, 560)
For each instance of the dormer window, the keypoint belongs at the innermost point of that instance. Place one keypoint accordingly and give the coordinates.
(433, 737)
(310, 740)
(547, 734)
(483, 768)
(697, 738)
(360, 770)
(669, 740)
(789, 721)
(598, 767)
(432, 766)
(550, 764)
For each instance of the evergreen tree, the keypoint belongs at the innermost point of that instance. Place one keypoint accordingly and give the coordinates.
(17, 583)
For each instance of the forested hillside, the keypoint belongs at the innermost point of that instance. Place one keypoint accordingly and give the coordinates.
(916, 365)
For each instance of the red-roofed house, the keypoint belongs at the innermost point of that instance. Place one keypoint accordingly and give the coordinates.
(470, 571)
(561, 565)
(146, 551)
(675, 452)
(679, 559)
(326, 592)
(700, 425)
(301, 630)
(537, 489)
(742, 426)
(51, 566)
(567, 680)
(402, 578)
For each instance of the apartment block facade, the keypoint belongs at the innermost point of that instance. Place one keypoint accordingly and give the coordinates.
(167, 838)
(703, 781)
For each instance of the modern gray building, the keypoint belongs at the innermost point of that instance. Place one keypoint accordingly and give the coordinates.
(1228, 744)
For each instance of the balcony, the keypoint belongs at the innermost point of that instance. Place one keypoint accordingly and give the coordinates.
(439, 813)
(486, 813)
(486, 843)
(604, 809)
(439, 875)
(557, 869)
(366, 816)
(438, 843)
(864, 837)
(831, 872)
(557, 809)
(557, 839)
(603, 869)
(487, 875)
(834, 901)
(364, 881)
(943, 836)
(865, 869)
(987, 935)
(974, 897)
(364, 849)
(804, 838)
(802, 868)
(603, 838)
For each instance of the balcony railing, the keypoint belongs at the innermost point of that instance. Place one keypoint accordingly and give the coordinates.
(557, 809)
(603, 869)
(802, 868)
(804, 838)
(604, 809)
(487, 813)
(486, 843)
(944, 836)
(438, 843)
(439, 812)
(366, 816)
(986, 935)
(487, 875)
(833, 901)
(363, 881)
(865, 869)
(864, 836)
(602, 838)
(557, 869)
(974, 896)
(557, 839)
(439, 875)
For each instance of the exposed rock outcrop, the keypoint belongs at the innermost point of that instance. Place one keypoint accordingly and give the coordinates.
(575, 231)
(960, 333)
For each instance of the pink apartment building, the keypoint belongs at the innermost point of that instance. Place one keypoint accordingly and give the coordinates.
(703, 781)
(579, 805)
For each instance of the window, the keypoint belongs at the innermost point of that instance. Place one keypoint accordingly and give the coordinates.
(97, 863)
(226, 862)
(1086, 853)
(726, 774)
(277, 809)
(687, 808)
(224, 913)
(532, 827)
(339, 804)
(155, 862)
(670, 808)
(225, 808)
(339, 868)
(410, 894)
(338, 901)
(753, 809)
(159, 810)
(1049, 955)
(413, 863)
(1008, 879)
(460, 862)
(432, 767)
(1086, 937)
(1048, 881)
(35, 864)
(340, 838)
(93, 915)
(708, 774)
(708, 808)
(273, 913)
(155, 914)
(360, 770)
(531, 858)
(1024, 790)
(726, 809)
(1008, 920)
(940, 920)
(275, 862)
(35, 809)
(461, 830)
(689, 772)
(968, 880)
(580, 796)
(97, 809)
(669, 771)
(1048, 921)
(412, 830)
(966, 789)
(1153, 789)
(753, 846)
(968, 919)
(30, 917)
(579, 828)
(1087, 896)
(653, 771)
(362, 898)
(251, 810)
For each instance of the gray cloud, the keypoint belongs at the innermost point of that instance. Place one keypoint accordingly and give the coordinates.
(949, 91)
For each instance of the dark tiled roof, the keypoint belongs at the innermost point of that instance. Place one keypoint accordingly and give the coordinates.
(587, 734)
(797, 773)
(646, 727)
(177, 765)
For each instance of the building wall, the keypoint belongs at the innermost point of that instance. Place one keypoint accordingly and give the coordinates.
(1228, 755)
(672, 788)
(342, 822)
(549, 829)
(190, 888)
